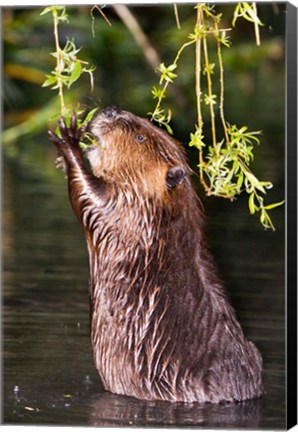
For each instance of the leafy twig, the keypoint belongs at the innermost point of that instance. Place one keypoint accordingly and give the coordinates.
(224, 171)
(69, 67)
(167, 76)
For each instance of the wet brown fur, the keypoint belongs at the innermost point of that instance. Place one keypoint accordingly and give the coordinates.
(161, 325)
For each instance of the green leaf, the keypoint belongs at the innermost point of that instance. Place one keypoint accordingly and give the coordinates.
(158, 93)
(51, 80)
(210, 100)
(263, 218)
(249, 14)
(196, 140)
(209, 69)
(90, 115)
(169, 129)
(272, 206)
(251, 203)
(47, 10)
(76, 73)
(166, 73)
(255, 182)
(267, 185)
(240, 179)
(236, 14)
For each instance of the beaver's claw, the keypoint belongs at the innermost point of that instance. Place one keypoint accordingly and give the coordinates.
(70, 135)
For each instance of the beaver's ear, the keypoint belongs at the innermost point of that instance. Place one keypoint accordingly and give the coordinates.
(175, 176)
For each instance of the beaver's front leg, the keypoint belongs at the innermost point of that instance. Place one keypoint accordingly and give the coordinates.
(84, 188)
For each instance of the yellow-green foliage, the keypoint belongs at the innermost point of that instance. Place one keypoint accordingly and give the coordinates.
(225, 166)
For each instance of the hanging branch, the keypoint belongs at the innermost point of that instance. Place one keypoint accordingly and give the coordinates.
(225, 169)
(68, 69)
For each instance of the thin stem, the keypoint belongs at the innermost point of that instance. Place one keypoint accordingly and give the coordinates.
(168, 82)
(186, 44)
(177, 16)
(222, 88)
(101, 13)
(58, 66)
(198, 73)
(257, 30)
(198, 95)
(157, 107)
(209, 82)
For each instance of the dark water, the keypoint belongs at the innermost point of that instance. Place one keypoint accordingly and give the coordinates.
(48, 373)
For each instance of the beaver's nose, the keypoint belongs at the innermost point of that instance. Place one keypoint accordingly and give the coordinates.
(111, 112)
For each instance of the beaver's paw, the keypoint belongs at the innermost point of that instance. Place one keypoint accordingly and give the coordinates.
(70, 135)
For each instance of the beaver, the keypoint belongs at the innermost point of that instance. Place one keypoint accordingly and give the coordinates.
(162, 327)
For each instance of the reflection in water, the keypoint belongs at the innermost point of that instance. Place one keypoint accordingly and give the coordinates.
(112, 410)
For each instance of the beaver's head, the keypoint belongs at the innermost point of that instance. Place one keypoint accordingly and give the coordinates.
(131, 149)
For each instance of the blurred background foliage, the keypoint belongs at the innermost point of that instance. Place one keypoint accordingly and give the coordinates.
(254, 76)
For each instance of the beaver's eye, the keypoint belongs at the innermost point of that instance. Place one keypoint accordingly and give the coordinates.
(140, 138)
